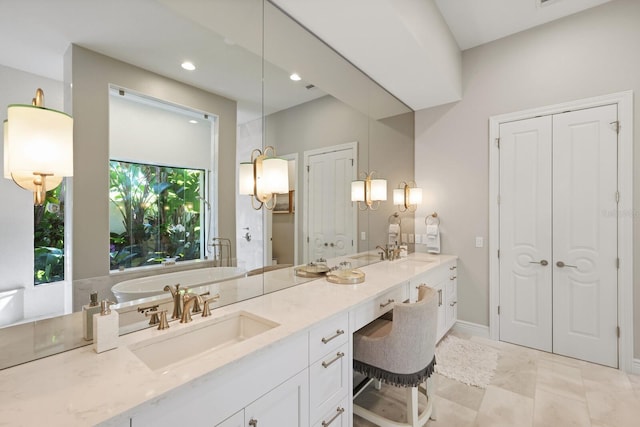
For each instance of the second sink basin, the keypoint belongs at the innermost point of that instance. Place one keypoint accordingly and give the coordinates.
(172, 347)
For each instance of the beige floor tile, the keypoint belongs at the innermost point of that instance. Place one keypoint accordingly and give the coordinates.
(504, 408)
(619, 409)
(551, 409)
(560, 379)
(516, 373)
(450, 414)
(457, 392)
(634, 380)
(597, 377)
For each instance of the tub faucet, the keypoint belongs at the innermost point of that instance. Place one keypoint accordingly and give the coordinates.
(177, 295)
(189, 300)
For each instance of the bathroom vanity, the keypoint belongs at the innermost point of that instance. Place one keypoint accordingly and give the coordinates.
(281, 359)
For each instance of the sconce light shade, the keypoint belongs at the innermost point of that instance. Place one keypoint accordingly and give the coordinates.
(245, 179)
(38, 147)
(398, 196)
(369, 191)
(275, 175)
(357, 191)
(378, 189)
(407, 196)
(263, 178)
(40, 140)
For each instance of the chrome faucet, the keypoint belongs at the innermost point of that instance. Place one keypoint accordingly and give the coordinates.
(189, 300)
(177, 295)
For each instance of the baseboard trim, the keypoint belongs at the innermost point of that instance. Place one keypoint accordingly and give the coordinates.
(473, 329)
(635, 368)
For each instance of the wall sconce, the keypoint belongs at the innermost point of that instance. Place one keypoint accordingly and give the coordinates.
(263, 177)
(407, 196)
(369, 191)
(38, 147)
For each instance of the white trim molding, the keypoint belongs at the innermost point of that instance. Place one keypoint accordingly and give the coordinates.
(473, 329)
(636, 367)
(624, 102)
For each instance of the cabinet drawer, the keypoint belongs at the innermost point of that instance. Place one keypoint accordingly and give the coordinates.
(328, 336)
(371, 310)
(329, 381)
(337, 416)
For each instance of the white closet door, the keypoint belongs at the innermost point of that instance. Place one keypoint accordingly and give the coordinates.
(525, 233)
(585, 235)
(331, 212)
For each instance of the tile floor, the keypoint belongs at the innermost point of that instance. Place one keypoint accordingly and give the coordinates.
(530, 389)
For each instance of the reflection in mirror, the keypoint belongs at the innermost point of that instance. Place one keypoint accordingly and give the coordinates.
(334, 105)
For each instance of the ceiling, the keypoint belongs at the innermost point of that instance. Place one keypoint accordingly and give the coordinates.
(399, 43)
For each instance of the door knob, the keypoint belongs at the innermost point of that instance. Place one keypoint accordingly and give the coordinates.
(542, 262)
(562, 265)
(332, 245)
(326, 244)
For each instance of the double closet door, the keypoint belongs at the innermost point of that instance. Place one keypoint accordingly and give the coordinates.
(558, 234)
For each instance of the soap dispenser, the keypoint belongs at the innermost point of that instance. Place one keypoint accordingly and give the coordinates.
(87, 316)
(105, 328)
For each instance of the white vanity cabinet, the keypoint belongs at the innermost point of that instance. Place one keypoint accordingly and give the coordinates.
(235, 420)
(287, 405)
(444, 280)
(329, 367)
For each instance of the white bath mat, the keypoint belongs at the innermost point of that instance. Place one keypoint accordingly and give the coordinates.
(465, 361)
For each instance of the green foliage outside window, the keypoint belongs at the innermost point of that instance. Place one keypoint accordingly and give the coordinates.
(49, 238)
(155, 214)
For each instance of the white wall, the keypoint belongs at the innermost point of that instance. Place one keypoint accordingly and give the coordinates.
(16, 215)
(588, 54)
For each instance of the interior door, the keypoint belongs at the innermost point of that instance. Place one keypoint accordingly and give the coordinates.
(330, 213)
(525, 233)
(585, 286)
(558, 234)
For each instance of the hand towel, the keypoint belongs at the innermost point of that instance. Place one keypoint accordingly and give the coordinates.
(433, 239)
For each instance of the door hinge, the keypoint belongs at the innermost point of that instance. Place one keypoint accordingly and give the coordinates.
(618, 331)
(351, 162)
(498, 253)
(307, 239)
(617, 197)
(308, 168)
(615, 126)
(618, 263)
(498, 143)
(498, 310)
(351, 242)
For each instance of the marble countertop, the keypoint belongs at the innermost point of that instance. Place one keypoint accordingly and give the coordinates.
(80, 387)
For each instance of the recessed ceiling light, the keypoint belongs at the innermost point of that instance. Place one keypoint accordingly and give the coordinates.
(295, 77)
(188, 66)
(193, 121)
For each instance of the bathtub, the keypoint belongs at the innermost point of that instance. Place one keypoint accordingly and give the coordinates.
(149, 286)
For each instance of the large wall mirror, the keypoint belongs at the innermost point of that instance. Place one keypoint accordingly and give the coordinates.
(331, 125)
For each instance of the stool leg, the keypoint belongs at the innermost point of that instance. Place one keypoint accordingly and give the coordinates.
(377, 384)
(412, 406)
(430, 385)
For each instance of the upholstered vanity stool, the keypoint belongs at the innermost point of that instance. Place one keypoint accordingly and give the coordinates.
(400, 353)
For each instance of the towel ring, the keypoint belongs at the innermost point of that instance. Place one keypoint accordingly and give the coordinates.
(432, 219)
(395, 218)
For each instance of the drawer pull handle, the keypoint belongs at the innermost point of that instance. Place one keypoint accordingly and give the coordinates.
(452, 268)
(453, 303)
(253, 422)
(422, 285)
(339, 355)
(336, 335)
(389, 301)
(453, 277)
(339, 412)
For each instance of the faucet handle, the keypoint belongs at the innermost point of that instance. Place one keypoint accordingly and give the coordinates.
(206, 311)
(197, 302)
(161, 322)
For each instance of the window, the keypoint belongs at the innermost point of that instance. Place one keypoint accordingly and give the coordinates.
(155, 214)
(48, 238)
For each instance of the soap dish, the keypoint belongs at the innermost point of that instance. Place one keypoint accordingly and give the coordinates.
(312, 270)
(345, 277)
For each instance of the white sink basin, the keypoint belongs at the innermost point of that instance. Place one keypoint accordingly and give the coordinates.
(366, 257)
(172, 347)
